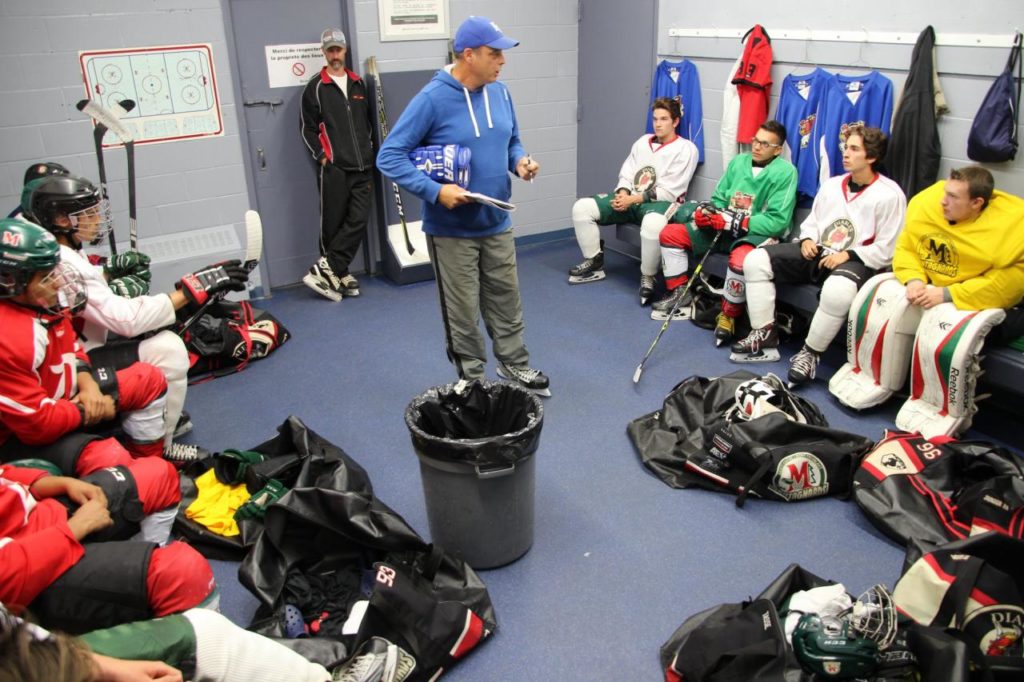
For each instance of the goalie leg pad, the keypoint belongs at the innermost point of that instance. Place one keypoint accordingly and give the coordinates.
(879, 336)
(944, 370)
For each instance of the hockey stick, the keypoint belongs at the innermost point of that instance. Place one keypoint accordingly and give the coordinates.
(99, 131)
(253, 247)
(382, 116)
(671, 314)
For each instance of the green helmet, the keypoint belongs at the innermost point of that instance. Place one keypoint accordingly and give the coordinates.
(828, 646)
(24, 250)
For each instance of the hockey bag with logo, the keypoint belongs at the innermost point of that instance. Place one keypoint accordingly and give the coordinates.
(335, 565)
(228, 337)
(974, 588)
(939, 490)
(444, 163)
(747, 435)
(993, 135)
(879, 336)
(944, 370)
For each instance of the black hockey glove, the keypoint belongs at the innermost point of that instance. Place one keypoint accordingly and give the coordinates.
(213, 280)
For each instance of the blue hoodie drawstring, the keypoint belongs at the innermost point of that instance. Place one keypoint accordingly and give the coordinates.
(472, 116)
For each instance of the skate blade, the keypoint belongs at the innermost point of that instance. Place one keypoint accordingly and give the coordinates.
(583, 279)
(645, 301)
(680, 315)
(763, 355)
(313, 284)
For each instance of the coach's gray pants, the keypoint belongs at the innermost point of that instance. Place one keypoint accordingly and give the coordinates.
(478, 277)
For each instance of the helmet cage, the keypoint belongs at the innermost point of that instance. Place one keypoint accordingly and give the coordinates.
(102, 226)
(70, 289)
(873, 616)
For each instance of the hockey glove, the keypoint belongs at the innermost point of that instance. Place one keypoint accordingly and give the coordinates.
(213, 280)
(446, 164)
(703, 218)
(739, 225)
(127, 263)
(130, 286)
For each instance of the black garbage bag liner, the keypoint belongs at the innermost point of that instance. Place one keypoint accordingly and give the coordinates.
(487, 423)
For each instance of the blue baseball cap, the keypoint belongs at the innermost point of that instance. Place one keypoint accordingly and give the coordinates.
(479, 31)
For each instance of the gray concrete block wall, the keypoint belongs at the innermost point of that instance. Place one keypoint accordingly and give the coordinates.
(965, 73)
(540, 74)
(180, 185)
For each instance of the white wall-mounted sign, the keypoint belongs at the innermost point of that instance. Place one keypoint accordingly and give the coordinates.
(174, 89)
(413, 19)
(289, 65)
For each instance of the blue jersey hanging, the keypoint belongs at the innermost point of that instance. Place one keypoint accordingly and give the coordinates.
(799, 98)
(679, 81)
(847, 101)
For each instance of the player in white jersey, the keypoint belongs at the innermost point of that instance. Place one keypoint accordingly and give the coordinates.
(849, 235)
(656, 173)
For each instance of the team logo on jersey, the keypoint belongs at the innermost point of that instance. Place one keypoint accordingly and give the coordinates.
(839, 236)
(644, 179)
(938, 254)
(741, 202)
(800, 476)
(844, 132)
(997, 629)
(806, 126)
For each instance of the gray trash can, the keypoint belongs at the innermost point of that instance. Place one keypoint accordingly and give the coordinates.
(477, 467)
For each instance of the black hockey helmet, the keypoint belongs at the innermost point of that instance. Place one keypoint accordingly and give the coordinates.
(44, 169)
(75, 198)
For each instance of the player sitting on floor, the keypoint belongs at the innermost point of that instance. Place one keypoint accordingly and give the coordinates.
(656, 173)
(754, 202)
(85, 554)
(849, 235)
(958, 263)
(72, 209)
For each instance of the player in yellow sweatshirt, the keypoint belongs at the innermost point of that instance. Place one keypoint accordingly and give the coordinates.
(963, 242)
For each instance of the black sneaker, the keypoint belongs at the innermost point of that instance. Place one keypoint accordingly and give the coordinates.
(679, 299)
(530, 379)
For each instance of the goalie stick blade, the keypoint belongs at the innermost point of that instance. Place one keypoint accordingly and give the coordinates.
(122, 108)
(103, 115)
(253, 239)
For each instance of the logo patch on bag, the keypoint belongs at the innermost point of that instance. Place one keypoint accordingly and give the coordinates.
(800, 476)
(997, 629)
(386, 575)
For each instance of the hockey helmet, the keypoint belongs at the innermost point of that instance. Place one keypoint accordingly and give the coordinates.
(26, 249)
(44, 169)
(829, 647)
(75, 198)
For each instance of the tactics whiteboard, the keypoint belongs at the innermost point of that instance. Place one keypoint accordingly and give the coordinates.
(174, 89)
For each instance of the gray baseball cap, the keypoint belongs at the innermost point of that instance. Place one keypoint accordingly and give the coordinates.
(332, 37)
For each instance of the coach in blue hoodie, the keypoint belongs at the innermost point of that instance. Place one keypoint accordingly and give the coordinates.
(470, 243)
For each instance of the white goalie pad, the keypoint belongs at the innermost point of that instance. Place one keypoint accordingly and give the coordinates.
(944, 370)
(879, 339)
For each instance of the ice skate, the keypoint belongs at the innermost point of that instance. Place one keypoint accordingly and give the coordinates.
(531, 379)
(802, 367)
(647, 283)
(590, 270)
(760, 345)
(323, 281)
(679, 299)
(725, 329)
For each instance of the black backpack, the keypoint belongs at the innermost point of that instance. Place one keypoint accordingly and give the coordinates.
(993, 135)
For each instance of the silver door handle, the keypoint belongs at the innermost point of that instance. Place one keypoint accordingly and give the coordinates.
(262, 157)
(264, 103)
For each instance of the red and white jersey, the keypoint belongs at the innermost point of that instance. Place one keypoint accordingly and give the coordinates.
(667, 167)
(866, 222)
(36, 544)
(107, 312)
(39, 356)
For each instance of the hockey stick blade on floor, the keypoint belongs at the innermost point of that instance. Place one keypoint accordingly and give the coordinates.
(253, 247)
(671, 314)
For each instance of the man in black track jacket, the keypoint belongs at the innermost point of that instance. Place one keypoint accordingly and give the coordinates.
(336, 124)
